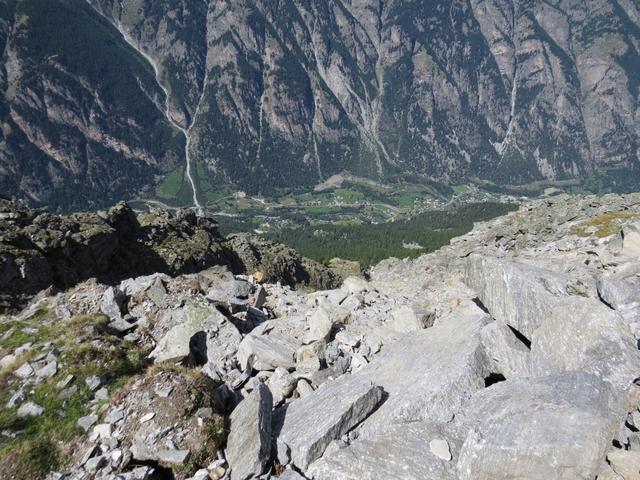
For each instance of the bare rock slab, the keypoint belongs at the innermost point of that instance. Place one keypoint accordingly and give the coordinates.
(428, 374)
(249, 441)
(507, 354)
(585, 335)
(517, 294)
(401, 451)
(268, 352)
(308, 425)
(556, 427)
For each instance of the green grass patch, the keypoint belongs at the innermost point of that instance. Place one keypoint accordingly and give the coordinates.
(604, 225)
(171, 185)
(349, 195)
(460, 189)
(318, 210)
(87, 349)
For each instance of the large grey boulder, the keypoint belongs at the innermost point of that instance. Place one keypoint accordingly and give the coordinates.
(268, 352)
(517, 294)
(428, 374)
(112, 302)
(249, 442)
(585, 335)
(631, 240)
(401, 451)
(221, 346)
(307, 426)
(507, 354)
(618, 294)
(411, 318)
(175, 344)
(557, 427)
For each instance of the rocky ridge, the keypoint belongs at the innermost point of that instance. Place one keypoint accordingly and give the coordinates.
(39, 250)
(511, 353)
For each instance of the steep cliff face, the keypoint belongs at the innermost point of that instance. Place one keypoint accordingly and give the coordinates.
(80, 117)
(268, 94)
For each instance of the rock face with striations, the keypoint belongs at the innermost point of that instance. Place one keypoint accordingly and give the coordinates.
(508, 91)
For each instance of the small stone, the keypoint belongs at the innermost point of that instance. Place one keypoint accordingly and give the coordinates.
(114, 416)
(142, 473)
(357, 362)
(147, 417)
(95, 463)
(16, 399)
(103, 430)
(201, 474)
(25, 371)
(88, 453)
(87, 422)
(320, 326)
(440, 448)
(348, 339)
(94, 382)
(30, 409)
(409, 319)
(102, 394)
(64, 382)
(217, 473)
(304, 387)
(281, 384)
(164, 392)
(132, 337)
(67, 393)
(7, 361)
(355, 285)
(173, 457)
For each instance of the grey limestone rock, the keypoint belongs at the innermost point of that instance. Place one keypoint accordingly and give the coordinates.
(584, 335)
(308, 425)
(557, 427)
(400, 451)
(249, 441)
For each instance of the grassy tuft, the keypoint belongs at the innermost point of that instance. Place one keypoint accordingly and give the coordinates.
(604, 225)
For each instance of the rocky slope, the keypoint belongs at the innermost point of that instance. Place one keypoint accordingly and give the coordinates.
(264, 94)
(511, 353)
(39, 250)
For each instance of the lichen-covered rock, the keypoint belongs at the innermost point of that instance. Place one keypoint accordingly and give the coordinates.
(277, 262)
(39, 249)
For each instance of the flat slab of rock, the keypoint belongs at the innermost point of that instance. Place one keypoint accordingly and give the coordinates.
(402, 452)
(517, 294)
(617, 293)
(508, 355)
(428, 374)
(557, 427)
(268, 352)
(585, 335)
(249, 442)
(308, 425)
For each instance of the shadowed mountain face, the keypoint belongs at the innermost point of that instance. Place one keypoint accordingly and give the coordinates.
(99, 99)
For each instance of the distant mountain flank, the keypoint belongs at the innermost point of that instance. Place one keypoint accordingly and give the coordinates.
(101, 99)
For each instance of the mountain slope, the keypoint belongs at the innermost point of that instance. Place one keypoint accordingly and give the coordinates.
(280, 94)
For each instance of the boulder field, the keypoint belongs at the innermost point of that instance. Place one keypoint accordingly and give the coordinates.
(512, 353)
